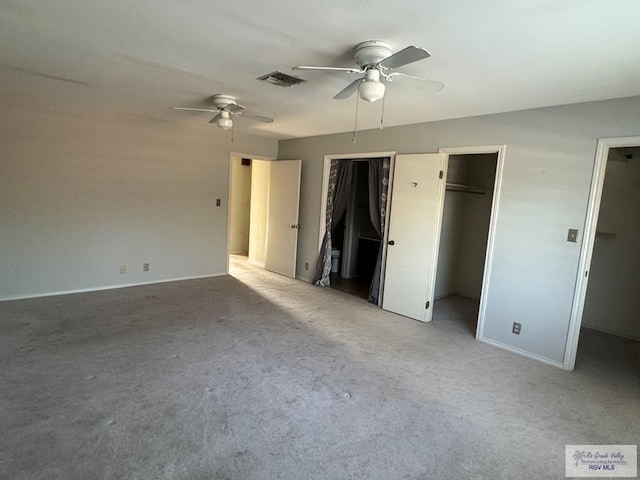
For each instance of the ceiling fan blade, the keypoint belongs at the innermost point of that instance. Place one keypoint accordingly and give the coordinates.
(349, 90)
(195, 109)
(330, 69)
(404, 57)
(426, 82)
(252, 116)
(234, 108)
(214, 119)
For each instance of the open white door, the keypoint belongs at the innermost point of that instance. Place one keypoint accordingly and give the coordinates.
(414, 231)
(284, 203)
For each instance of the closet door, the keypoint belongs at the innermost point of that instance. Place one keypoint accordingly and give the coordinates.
(414, 231)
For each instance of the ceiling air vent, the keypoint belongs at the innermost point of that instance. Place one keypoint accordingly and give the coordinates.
(281, 79)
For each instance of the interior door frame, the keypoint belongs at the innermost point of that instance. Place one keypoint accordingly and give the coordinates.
(588, 241)
(325, 193)
(229, 187)
(495, 204)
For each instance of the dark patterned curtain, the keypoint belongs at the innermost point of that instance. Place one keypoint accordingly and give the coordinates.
(378, 189)
(340, 176)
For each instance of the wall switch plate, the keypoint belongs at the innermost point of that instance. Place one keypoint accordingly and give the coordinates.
(123, 269)
(573, 235)
(516, 328)
(306, 266)
(217, 202)
(145, 267)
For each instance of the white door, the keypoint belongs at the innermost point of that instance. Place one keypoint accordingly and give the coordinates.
(414, 232)
(284, 202)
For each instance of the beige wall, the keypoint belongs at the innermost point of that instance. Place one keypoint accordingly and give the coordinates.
(239, 206)
(85, 191)
(547, 175)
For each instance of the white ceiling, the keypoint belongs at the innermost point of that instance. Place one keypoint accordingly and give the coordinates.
(144, 56)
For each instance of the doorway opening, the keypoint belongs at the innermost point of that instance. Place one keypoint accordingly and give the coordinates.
(354, 223)
(610, 326)
(264, 198)
(248, 208)
(355, 243)
(625, 217)
(239, 205)
(464, 235)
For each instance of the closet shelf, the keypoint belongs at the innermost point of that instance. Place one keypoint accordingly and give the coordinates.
(604, 235)
(458, 187)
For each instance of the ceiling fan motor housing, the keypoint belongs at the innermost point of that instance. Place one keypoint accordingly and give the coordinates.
(372, 52)
(222, 101)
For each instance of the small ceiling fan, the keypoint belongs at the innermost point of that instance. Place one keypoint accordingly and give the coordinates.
(376, 60)
(226, 106)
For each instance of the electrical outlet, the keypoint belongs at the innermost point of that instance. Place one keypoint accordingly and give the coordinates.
(516, 328)
(123, 269)
(145, 267)
(306, 266)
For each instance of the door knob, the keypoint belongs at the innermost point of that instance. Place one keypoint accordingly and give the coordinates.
(391, 242)
(294, 226)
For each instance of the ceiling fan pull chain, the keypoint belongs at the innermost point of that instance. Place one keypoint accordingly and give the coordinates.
(355, 123)
(382, 114)
(232, 129)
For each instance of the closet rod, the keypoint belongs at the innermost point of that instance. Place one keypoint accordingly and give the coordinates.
(458, 187)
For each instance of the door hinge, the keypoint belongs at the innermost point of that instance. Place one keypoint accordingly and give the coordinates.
(441, 174)
(427, 306)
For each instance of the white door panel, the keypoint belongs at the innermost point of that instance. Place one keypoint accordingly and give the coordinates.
(413, 235)
(284, 203)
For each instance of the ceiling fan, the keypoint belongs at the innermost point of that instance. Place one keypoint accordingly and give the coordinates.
(376, 60)
(226, 106)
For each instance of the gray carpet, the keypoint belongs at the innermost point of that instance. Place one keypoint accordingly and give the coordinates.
(261, 377)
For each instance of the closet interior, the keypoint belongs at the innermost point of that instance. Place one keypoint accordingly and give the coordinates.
(610, 320)
(465, 224)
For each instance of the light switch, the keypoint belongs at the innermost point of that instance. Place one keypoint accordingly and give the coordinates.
(217, 202)
(573, 235)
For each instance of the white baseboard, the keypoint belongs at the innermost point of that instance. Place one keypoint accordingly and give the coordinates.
(444, 295)
(108, 287)
(611, 332)
(458, 294)
(523, 353)
(468, 295)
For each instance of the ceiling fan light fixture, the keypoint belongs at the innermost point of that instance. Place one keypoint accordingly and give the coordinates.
(371, 90)
(224, 121)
